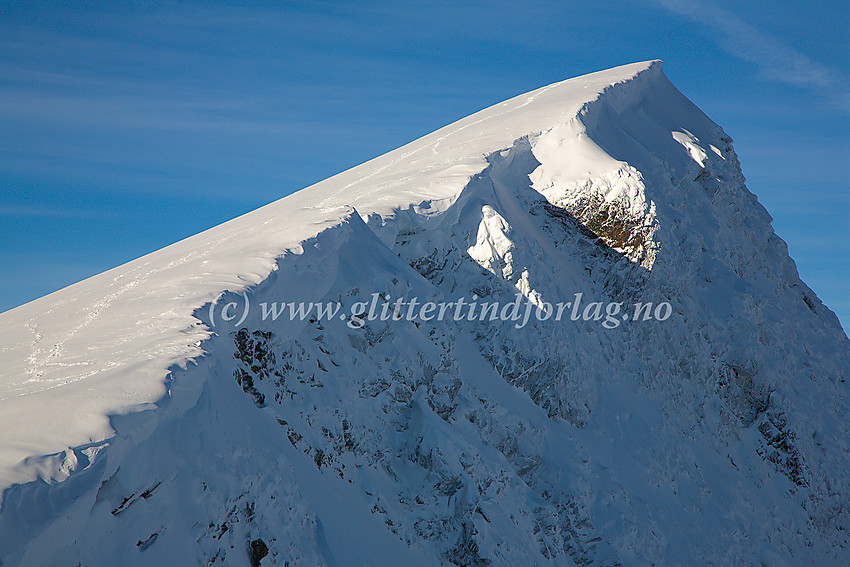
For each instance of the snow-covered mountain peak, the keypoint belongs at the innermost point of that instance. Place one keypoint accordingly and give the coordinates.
(105, 345)
(183, 397)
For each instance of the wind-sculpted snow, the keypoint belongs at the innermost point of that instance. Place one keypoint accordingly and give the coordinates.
(718, 435)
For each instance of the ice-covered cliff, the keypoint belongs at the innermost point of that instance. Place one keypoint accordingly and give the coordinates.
(139, 426)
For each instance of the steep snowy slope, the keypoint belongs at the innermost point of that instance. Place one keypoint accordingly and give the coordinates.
(139, 426)
(108, 341)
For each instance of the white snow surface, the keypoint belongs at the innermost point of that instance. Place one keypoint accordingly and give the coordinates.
(105, 345)
(133, 432)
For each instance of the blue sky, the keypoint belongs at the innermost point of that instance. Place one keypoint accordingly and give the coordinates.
(127, 128)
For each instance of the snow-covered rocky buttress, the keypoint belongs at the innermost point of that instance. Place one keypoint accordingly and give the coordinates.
(140, 426)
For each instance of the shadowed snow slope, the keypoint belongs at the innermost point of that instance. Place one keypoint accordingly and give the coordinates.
(138, 427)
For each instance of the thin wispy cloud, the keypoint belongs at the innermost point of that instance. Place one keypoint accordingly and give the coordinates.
(775, 60)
